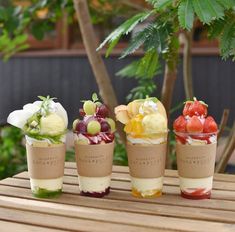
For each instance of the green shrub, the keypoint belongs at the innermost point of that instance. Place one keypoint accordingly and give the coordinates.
(12, 152)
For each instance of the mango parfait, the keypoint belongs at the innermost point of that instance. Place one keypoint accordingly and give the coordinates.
(44, 124)
(146, 130)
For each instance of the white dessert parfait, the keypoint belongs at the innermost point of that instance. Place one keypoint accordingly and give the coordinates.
(94, 145)
(44, 124)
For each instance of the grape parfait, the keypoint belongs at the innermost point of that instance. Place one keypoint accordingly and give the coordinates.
(94, 145)
(44, 124)
(196, 139)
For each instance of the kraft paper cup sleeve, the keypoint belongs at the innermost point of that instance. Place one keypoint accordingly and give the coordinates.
(94, 160)
(196, 161)
(46, 162)
(146, 161)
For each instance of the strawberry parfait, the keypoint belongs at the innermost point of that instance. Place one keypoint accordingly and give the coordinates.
(196, 140)
(94, 145)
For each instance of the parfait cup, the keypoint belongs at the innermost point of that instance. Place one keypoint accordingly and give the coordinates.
(196, 153)
(46, 168)
(147, 165)
(94, 168)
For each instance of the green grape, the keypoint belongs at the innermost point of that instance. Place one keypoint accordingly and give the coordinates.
(93, 127)
(75, 122)
(112, 124)
(89, 107)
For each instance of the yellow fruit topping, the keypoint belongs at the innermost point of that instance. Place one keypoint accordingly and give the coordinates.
(134, 126)
(154, 123)
(143, 118)
(133, 107)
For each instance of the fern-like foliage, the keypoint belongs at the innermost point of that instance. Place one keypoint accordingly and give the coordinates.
(227, 40)
(124, 29)
(186, 14)
(144, 70)
(154, 36)
(160, 4)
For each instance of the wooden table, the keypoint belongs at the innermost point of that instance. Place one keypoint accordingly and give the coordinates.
(119, 211)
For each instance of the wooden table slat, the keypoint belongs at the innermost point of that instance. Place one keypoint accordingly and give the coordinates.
(69, 217)
(8, 226)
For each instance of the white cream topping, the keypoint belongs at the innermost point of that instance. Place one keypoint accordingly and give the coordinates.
(190, 184)
(147, 184)
(148, 105)
(94, 184)
(30, 140)
(146, 140)
(191, 141)
(48, 184)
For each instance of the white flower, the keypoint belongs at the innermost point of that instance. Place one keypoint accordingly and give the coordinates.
(18, 118)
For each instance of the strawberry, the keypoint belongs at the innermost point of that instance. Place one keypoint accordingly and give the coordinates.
(194, 125)
(197, 108)
(186, 108)
(179, 124)
(210, 125)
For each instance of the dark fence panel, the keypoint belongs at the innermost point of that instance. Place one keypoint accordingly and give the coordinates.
(70, 79)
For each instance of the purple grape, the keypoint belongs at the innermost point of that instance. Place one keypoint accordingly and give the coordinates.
(82, 113)
(102, 111)
(105, 127)
(81, 127)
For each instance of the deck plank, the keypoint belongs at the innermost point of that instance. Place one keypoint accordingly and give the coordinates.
(7, 226)
(71, 218)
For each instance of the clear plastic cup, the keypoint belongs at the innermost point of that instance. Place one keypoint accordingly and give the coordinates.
(196, 154)
(94, 167)
(147, 165)
(46, 168)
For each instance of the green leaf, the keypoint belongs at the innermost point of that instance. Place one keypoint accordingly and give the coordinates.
(111, 46)
(159, 37)
(138, 39)
(161, 4)
(216, 29)
(129, 70)
(94, 97)
(227, 40)
(186, 14)
(37, 31)
(145, 68)
(125, 28)
(227, 4)
(208, 10)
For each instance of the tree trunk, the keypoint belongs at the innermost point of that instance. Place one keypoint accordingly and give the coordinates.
(227, 152)
(168, 87)
(187, 65)
(106, 90)
(167, 93)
